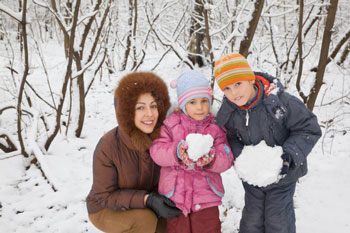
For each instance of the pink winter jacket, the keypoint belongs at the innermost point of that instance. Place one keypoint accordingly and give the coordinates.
(200, 188)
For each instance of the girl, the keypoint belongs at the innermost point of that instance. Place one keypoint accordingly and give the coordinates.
(194, 186)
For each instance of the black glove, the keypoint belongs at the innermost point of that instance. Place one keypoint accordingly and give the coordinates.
(286, 162)
(162, 206)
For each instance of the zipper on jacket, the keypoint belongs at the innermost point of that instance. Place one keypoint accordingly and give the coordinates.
(247, 118)
(247, 124)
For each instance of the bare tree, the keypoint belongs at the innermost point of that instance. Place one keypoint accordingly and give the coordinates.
(326, 40)
(344, 54)
(94, 31)
(337, 48)
(24, 77)
(197, 33)
(300, 49)
(24, 44)
(67, 76)
(78, 57)
(130, 39)
(250, 31)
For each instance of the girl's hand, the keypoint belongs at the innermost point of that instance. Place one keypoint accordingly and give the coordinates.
(206, 159)
(183, 155)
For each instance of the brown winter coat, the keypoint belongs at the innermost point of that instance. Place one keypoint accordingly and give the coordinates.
(123, 171)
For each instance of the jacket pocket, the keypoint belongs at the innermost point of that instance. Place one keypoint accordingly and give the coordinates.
(167, 181)
(215, 184)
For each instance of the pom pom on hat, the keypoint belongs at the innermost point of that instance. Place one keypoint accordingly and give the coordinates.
(232, 68)
(191, 85)
(173, 83)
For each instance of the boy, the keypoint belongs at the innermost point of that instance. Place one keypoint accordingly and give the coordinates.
(256, 108)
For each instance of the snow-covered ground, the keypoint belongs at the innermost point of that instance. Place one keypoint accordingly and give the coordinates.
(28, 203)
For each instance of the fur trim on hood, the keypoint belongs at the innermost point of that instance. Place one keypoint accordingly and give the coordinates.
(129, 89)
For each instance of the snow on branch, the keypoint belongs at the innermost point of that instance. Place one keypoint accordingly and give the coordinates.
(235, 32)
(35, 149)
(168, 42)
(15, 15)
(56, 13)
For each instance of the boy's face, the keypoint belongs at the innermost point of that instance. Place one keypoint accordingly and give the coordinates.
(240, 92)
(197, 108)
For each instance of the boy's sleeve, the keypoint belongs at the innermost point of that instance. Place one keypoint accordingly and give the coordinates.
(235, 144)
(304, 131)
(222, 119)
(223, 159)
(163, 149)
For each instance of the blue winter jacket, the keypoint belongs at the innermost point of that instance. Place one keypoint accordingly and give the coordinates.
(279, 118)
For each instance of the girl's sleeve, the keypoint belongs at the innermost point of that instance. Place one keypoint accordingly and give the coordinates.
(223, 159)
(164, 150)
(105, 185)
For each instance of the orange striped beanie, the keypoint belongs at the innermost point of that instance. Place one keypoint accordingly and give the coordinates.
(232, 68)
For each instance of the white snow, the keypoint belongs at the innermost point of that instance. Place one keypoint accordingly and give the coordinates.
(259, 165)
(198, 145)
(28, 204)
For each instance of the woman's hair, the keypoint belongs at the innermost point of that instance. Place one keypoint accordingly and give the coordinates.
(126, 94)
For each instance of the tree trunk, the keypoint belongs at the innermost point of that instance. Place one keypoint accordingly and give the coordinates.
(134, 35)
(62, 27)
(335, 51)
(344, 54)
(332, 9)
(81, 87)
(66, 78)
(247, 40)
(300, 49)
(196, 34)
(24, 77)
(78, 58)
(128, 39)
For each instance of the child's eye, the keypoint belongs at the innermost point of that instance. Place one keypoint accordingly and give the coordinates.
(204, 100)
(226, 88)
(238, 83)
(192, 102)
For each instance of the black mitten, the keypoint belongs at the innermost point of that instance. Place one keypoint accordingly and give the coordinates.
(162, 206)
(286, 162)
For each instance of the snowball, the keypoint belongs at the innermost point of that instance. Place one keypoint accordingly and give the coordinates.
(198, 145)
(259, 165)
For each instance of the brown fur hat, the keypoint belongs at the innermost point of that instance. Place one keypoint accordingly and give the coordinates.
(129, 89)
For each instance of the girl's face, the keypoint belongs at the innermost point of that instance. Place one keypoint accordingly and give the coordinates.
(146, 113)
(197, 108)
(240, 92)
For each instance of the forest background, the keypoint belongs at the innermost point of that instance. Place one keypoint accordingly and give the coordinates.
(61, 60)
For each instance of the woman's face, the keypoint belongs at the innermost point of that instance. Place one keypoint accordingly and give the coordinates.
(146, 113)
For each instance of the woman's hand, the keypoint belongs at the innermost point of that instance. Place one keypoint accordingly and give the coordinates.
(162, 206)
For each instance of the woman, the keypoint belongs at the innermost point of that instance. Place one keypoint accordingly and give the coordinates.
(125, 178)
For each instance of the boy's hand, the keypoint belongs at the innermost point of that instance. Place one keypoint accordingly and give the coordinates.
(182, 154)
(286, 163)
(206, 159)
